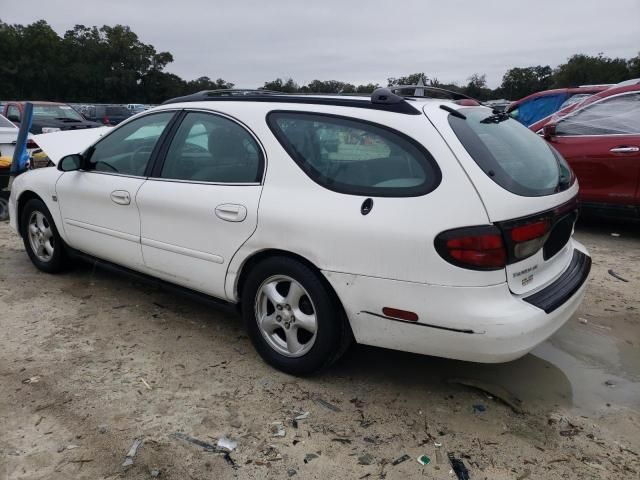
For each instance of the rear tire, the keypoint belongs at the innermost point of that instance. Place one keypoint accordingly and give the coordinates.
(41, 239)
(293, 318)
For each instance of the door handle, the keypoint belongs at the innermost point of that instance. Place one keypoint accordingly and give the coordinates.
(231, 212)
(121, 197)
(625, 150)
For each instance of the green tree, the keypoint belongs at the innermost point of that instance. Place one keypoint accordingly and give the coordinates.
(280, 85)
(411, 79)
(520, 82)
(583, 69)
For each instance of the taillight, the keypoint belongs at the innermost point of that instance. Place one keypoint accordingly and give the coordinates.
(105, 120)
(529, 238)
(31, 144)
(478, 248)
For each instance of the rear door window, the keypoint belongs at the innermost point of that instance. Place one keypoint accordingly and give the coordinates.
(619, 115)
(355, 157)
(510, 154)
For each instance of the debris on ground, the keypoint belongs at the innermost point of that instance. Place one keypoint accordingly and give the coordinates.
(302, 416)
(424, 460)
(572, 432)
(183, 436)
(365, 459)
(479, 408)
(103, 429)
(610, 383)
(310, 456)
(403, 458)
(271, 453)
(615, 234)
(30, 380)
(128, 461)
(144, 382)
(291, 472)
(155, 473)
(458, 467)
(227, 444)
(277, 429)
(499, 392)
(615, 275)
(326, 404)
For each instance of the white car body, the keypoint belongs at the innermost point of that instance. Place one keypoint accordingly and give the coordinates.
(8, 137)
(201, 235)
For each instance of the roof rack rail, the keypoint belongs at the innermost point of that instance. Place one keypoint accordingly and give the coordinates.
(421, 91)
(223, 92)
(384, 99)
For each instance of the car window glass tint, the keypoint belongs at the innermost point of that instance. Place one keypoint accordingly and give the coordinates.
(128, 149)
(211, 148)
(13, 111)
(355, 157)
(619, 115)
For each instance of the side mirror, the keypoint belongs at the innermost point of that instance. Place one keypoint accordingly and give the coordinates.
(71, 163)
(549, 131)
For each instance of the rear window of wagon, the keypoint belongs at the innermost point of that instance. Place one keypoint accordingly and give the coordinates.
(510, 154)
(355, 157)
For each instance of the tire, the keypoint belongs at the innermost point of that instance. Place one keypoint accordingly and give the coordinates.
(268, 285)
(45, 247)
(4, 209)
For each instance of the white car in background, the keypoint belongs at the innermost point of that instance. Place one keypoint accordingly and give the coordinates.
(9, 137)
(422, 225)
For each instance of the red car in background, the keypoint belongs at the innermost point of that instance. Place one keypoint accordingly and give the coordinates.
(600, 138)
(540, 105)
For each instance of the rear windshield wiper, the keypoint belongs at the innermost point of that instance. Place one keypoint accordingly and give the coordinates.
(67, 119)
(497, 117)
(453, 112)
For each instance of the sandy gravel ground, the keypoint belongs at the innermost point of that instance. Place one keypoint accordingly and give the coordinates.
(90, 361)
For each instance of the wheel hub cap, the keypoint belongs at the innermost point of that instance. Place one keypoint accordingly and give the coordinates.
(286, 316)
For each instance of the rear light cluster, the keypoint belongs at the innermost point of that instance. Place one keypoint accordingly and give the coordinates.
(488, 247)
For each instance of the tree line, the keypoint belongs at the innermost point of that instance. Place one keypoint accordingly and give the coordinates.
(111, 64)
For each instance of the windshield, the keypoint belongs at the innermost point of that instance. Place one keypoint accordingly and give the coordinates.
(510, 154)
(59, 112)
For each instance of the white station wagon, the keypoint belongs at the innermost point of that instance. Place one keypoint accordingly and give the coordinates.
(426, 225)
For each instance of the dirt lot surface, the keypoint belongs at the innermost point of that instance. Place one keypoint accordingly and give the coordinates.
(90, 361)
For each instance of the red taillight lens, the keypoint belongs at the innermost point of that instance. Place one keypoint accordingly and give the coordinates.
(530, 231)
(479, 248)
(105, 120)
(31, 144)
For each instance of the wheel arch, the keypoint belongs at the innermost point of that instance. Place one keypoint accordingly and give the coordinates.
(23, 199)
(254, 259)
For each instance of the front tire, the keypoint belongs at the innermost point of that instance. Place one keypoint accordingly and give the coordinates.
(293, 318)
(41, 239)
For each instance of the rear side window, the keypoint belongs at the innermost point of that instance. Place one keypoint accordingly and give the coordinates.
(354, 156)
(510, 154)
(619, 115)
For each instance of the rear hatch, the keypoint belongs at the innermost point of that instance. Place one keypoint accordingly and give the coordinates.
(528, 190)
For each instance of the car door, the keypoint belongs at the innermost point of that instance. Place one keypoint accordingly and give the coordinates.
(98, 204)
(601, 142)
(201, 203)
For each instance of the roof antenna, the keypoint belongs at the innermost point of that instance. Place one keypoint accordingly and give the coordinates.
(419, 92)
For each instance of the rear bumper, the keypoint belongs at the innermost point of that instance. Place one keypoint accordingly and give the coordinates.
(479, 324)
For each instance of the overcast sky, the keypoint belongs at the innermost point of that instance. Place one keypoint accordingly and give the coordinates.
(249, 42)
